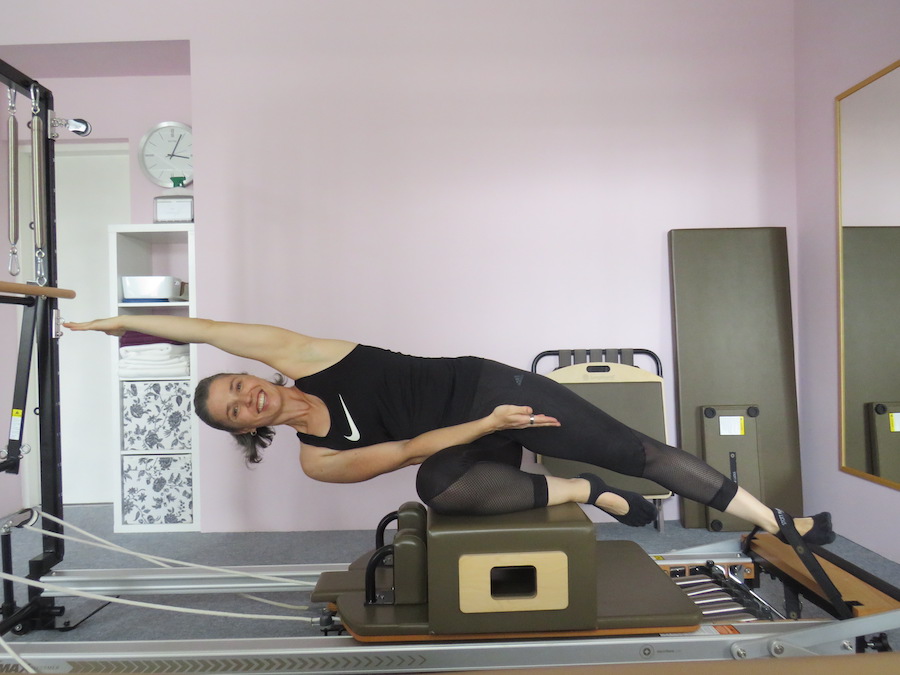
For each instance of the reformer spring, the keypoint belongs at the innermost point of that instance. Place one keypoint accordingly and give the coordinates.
(38, 139)
(13, 176)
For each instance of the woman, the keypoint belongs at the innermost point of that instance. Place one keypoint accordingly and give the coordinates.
(361, 411)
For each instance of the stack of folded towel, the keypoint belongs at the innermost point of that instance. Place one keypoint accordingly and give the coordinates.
(161, 360)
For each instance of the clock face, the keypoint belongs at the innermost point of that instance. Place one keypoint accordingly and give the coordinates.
(167, 152)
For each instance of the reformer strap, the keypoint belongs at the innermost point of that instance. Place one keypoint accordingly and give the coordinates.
(801, 548)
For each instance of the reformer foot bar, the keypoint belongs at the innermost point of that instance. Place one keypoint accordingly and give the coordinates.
(726, 632)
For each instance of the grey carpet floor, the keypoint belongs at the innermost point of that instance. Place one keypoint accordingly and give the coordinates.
(117, 622)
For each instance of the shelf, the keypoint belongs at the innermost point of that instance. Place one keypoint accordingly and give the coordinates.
(150, 448)
(177, 303)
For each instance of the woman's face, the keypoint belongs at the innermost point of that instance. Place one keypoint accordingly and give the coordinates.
(244, 402)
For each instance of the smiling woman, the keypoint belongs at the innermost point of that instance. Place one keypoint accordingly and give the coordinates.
(361, 411)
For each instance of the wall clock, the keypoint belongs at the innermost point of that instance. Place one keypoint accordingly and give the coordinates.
(166, 152)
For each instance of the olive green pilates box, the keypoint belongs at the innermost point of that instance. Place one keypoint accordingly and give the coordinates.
(527, 571)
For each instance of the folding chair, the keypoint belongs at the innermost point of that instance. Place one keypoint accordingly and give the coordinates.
(609, 379)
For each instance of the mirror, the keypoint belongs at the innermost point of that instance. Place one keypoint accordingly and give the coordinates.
(868, 155)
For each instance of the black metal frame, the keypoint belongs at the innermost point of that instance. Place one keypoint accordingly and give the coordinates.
(39, 330)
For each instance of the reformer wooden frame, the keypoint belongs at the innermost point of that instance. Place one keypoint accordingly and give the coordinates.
(39, 330)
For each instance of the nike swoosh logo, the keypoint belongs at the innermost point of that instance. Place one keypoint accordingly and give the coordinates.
(354, 432)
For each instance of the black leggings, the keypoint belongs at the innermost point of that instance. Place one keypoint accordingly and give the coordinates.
(484, 477)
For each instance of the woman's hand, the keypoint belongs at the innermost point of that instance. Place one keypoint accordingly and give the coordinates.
(519, 417)
(111, 326)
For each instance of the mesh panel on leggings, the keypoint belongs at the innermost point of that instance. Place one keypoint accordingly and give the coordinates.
(685, 474)
(488, 488)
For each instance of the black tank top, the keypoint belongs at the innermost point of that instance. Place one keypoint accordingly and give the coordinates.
(374, 395)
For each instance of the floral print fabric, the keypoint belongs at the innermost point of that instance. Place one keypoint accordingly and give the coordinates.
(157, 467)
(156, 416)
(157, 490)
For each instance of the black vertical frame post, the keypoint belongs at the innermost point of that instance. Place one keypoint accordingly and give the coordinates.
(46, 341)
(48, 367)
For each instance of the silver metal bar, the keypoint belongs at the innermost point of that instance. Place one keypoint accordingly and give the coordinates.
(810, 640)
(345, 655)
(178, 580)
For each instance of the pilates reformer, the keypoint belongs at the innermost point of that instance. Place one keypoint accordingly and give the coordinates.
(691, 605)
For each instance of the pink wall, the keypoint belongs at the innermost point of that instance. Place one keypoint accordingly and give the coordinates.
(489, 177)
(838, 45)
(125, 108)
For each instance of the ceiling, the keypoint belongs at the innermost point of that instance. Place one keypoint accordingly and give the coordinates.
(100, 59)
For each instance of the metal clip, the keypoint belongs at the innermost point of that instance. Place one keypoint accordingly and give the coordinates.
(11, 94)
(40, 274)
(14, 267)
(56, 327)
(35, 99)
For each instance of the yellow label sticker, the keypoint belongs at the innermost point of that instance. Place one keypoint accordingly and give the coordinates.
(731, 425)
(16, 412)
(895, 421)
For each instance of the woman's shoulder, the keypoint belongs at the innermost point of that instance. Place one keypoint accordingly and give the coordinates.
(318, 355)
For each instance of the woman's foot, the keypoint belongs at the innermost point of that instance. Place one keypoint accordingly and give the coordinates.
(815, 530)
(627, 507)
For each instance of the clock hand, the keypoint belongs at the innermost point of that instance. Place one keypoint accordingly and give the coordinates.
(172, 154)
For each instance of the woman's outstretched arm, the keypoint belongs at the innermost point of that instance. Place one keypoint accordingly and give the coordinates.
(359, 464)
(288, 352)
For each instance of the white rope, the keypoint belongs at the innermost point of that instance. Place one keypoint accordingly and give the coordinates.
(151, 605)
(265, 601)
(15, 657)
(158, 560)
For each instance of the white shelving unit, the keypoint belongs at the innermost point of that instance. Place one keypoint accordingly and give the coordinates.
(157, 430)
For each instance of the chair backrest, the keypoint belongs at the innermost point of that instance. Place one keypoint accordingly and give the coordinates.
(631, 394)
(568, 357)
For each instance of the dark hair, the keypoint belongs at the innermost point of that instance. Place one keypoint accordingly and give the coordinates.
(251, 443)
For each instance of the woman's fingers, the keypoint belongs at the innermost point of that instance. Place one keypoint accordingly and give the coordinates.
(523, 417)
(103, 325)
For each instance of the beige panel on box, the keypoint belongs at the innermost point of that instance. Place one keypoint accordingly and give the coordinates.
(548, 590)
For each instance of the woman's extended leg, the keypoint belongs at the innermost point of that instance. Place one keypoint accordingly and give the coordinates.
(589, 435)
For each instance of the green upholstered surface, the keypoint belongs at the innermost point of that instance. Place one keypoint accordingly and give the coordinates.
(633, 592)
(734, 343)
(557, 528)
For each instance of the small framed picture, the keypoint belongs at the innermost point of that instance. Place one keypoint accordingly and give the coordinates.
(174, 209)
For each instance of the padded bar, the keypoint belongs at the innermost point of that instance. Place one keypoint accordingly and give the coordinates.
(734, 342)
(32, 289)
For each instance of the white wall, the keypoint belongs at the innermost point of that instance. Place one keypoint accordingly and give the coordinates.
(838, 45)
(91, 193)
(493, 177)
